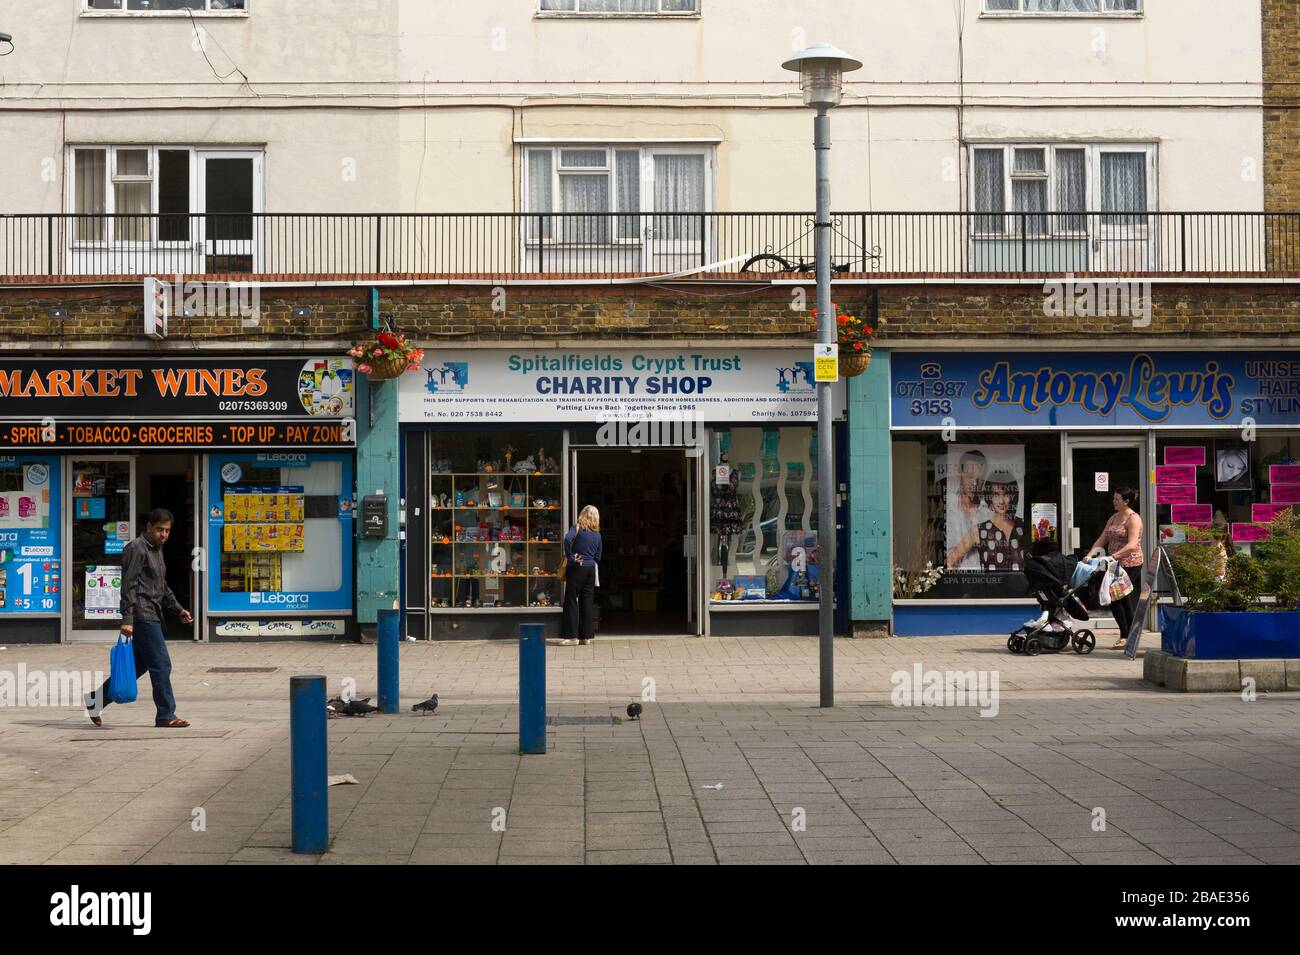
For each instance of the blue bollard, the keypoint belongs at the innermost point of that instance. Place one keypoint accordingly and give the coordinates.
(390, 639)
(308, 742)
(532, 689)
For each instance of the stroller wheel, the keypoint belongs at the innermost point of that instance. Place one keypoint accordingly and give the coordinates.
(1033, 647)
(1013, 643)
(1084, 642)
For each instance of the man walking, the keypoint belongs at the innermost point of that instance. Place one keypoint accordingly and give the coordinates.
(145, 596)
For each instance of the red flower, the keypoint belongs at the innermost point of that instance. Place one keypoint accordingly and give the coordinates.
(387, 340)
(857, 346)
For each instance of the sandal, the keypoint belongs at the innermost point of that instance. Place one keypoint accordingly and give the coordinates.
(1120, 644)
(175, 723)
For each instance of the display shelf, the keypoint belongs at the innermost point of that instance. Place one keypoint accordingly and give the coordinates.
(481, 518)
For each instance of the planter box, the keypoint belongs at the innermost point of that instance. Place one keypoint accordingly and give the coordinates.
(1229, 636)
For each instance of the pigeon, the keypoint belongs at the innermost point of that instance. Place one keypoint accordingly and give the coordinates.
(634, 711)
(426, 706)
(341, 707)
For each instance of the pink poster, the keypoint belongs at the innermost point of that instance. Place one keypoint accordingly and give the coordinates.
(1192, 513)
(1284, 474)
(1246, 533)
(1192, 456)
(1182, 493)
(1175, 474)
(1285, 493)
(1265, 513)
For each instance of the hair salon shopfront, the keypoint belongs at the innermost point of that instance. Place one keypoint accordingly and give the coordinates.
(252, 455)
(701, 461)
(1029, 447)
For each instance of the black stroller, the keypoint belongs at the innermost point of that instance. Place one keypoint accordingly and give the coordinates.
(1062, 605)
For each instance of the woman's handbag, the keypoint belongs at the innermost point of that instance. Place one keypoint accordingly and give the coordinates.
(121, 672)
(563, 567)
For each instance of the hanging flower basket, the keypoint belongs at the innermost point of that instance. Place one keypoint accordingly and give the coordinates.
(855, 339)
(854, 363)
(386, 356)
(388, 367)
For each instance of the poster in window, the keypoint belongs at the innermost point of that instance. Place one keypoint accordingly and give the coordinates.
(1231, 466)
(984, 494)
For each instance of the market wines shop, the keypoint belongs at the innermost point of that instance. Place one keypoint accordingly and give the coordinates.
(702, 463)
(996, 452)
(254, 457)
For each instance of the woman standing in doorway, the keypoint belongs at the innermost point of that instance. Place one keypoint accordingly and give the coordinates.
(583, 549)
(1122, 539)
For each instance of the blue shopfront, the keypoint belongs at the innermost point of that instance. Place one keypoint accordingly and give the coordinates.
(991, 455)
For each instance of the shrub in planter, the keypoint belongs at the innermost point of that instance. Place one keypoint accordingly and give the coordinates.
(1224, 616)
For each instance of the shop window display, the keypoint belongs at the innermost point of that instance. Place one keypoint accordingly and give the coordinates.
(763, 515)
(1226, 483)
(968, 512)
(495, 515)
(281, 524)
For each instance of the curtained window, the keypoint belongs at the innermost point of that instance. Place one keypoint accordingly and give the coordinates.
(620, 6)
(1062, 6)
(606, 194)
(1048, 190)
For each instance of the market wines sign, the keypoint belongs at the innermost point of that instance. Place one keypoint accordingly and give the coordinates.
(175, 402)
(177, 387)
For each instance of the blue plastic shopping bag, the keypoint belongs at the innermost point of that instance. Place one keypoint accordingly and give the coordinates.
(121, 672)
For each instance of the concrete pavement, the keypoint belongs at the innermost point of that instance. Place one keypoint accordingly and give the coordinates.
(1082, 763)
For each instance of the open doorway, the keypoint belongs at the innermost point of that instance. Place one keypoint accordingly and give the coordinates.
(168, 481)
(642, 496)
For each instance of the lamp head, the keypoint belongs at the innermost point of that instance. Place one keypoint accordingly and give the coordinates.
(821, 70)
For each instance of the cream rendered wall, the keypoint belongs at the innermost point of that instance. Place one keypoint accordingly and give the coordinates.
(424, 99)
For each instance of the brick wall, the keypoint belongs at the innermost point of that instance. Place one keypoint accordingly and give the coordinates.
(1177, 312)
(586, 313)
(428, 314)
(1281, 49)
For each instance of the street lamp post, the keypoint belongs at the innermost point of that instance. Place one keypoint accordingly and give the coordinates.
(821, 70)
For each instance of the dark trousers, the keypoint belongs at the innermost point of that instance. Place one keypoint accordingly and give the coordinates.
(1125, 610)
(150, 647)
(579, 617)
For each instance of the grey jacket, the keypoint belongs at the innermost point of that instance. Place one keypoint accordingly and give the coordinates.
(145, 594)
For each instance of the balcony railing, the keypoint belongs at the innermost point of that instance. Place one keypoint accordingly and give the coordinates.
(347, 247)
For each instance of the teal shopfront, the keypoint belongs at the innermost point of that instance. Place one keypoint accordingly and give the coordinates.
(964, 461)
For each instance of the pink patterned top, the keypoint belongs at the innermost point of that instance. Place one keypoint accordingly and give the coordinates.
(1117, 537)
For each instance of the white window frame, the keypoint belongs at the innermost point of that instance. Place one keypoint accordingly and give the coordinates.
(86, 11)
(1106, 12)
(1092, 191)
(660, 14)
(646, 210)
(257, 153)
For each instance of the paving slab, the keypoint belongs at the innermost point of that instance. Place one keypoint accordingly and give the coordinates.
(1183, 778)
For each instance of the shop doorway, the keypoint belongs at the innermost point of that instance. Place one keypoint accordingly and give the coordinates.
(1097, 468)
(168, 481)
(647, 503)
(1096, 471)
